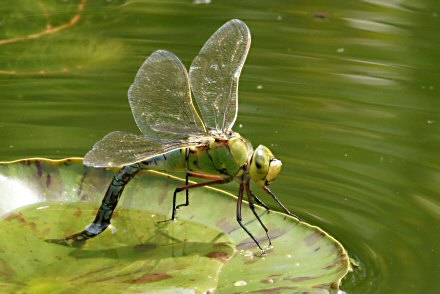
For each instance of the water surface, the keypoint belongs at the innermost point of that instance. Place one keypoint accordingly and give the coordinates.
(345, 93)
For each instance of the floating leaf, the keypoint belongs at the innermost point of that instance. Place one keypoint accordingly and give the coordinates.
(204, 249)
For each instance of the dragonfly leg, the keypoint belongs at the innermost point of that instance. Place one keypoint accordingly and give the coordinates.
(186, 195)
(195, 175)
(216, 180)
(186, 183)
(108, 205)
(259, 201)
(268, 191)
(252, 207)
(239, 204)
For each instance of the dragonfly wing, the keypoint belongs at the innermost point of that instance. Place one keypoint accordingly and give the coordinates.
(160, 98)
(214, 74)
(119, 148)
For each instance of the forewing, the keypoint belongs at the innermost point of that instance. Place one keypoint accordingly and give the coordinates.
(160, 98)
(119, 148)
(214, 74)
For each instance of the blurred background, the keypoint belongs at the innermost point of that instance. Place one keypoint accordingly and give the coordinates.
(345, 93)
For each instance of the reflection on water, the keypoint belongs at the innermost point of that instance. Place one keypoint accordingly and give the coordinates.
(345, 93)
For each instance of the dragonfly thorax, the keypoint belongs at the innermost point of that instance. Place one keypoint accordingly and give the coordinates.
(226, 135)
(264, 167)
(226, 155)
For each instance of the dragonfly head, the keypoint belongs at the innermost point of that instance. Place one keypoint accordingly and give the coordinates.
(264, 167)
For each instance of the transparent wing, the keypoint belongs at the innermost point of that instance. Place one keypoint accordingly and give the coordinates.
(214, 74)
(160, 98)
(120, 148)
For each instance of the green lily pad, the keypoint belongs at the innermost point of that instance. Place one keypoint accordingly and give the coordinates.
(204, 250)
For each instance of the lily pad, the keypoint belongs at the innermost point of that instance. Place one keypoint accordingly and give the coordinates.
(203, 251)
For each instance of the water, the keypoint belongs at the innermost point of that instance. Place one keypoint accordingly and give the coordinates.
(345, 94)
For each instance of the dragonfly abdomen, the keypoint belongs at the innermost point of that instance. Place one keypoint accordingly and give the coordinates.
(173, 161)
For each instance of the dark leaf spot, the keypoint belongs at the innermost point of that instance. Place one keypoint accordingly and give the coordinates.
(149, 278)
(144, 247)
(78, 212)
(220, 256)
(48, 180)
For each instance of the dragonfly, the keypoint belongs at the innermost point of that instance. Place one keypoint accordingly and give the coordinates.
(178, 138)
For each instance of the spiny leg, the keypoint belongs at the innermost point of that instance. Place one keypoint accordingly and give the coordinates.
(268, 191)
(252, 207)
(239, 204)
(186, 195)
(187, 152)
(259, 201)
(108, 205)
(195, 175)
(215, 180)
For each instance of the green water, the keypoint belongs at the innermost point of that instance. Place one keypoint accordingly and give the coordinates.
(344, 92)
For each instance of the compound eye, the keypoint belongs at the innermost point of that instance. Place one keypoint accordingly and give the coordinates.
(260, 162)
(257, 164)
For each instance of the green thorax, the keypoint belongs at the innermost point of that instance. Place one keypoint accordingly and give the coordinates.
(223, 156)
